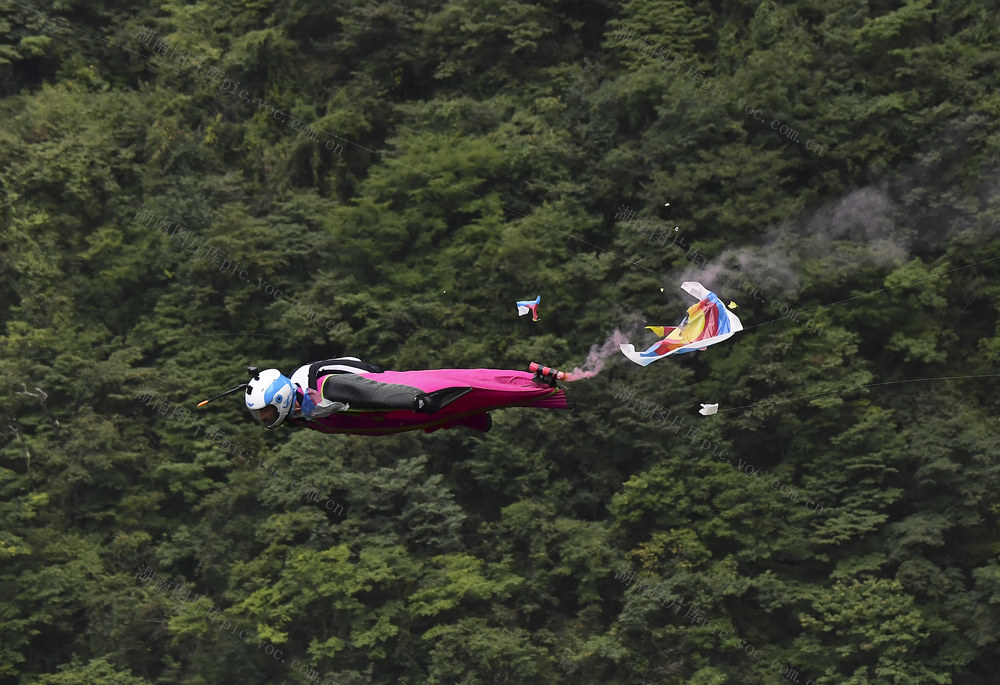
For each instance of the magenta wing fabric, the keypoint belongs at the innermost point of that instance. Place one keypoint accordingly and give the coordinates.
(491, 389)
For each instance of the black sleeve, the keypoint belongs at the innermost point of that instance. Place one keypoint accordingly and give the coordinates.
(339, 365)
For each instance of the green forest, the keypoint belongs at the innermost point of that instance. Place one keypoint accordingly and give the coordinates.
(191, 188)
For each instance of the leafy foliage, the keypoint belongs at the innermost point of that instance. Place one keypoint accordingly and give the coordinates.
(486, 148)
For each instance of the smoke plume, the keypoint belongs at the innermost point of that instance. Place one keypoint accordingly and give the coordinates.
(597, 356)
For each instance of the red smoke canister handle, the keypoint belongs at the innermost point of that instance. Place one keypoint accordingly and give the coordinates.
(546, 371)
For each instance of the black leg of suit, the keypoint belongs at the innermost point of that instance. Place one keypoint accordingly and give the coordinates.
(365, 393)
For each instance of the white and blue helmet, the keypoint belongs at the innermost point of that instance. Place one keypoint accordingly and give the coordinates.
(270, 389)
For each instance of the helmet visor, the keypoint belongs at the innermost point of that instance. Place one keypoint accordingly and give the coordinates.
(267, 416)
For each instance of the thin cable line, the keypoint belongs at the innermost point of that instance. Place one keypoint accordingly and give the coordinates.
(362, 147)
(872, 292)
(163, 340)
(855, 387)
(480, 197)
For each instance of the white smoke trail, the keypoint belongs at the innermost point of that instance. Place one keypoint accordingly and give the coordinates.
(597, 356)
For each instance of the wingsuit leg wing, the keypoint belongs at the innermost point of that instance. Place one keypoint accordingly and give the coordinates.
(430, 402)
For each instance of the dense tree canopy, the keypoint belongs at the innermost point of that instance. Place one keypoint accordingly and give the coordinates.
(187, 188)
